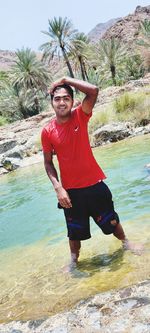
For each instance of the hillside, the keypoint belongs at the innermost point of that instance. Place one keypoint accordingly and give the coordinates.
(127, 28)
(98, 32)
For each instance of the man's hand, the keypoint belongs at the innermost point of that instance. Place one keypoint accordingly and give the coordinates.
(59, 82)
(63, 197)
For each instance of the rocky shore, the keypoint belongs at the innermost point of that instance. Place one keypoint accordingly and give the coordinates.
(125, 310)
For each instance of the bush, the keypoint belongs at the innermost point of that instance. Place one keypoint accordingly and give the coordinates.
(133, 107)
(3, 121)
(125, 102)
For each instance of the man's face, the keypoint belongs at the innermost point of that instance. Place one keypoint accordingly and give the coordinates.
(62, 103)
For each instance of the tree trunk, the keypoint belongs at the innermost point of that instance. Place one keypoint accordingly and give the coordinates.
(82, 68)
(85, 71)
(113, 73)
(67, 62)
(36, 105)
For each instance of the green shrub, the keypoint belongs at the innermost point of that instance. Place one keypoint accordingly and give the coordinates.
(133, 107)
(3, 121)
(125, 102)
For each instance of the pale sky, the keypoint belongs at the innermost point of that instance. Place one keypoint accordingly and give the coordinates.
(21, 22)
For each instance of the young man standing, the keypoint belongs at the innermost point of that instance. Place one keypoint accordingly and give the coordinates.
(81, 191)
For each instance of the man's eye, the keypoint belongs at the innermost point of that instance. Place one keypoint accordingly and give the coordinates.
(66, 99)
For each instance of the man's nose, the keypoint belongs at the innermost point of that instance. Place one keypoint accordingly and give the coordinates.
(62, 100)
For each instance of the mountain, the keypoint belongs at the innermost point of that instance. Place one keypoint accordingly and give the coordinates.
(97, 33)
(127, 29)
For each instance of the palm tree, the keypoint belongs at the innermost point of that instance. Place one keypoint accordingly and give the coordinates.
(30, 76)
(108, 54)
(29, 72)
(133, 67)
(79, 52)
(60, 33)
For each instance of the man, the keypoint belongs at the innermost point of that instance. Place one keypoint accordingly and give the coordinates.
(81, 192)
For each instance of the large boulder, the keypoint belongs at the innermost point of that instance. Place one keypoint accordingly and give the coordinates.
(112, 133)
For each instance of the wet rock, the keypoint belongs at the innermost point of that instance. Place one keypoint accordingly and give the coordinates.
(116, 311)
(11, 164)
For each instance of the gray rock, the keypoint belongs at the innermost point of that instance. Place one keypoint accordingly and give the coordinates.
(6, 145)
(16, 152)
(112, 133)
(35, 323)
(3, 170)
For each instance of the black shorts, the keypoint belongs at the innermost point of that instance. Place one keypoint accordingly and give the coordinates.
(95, 201)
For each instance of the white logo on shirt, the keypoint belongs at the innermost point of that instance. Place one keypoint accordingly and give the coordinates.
(76, 128)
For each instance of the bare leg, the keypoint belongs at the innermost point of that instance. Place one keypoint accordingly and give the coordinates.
(75, 250)
(127, 245)
(119, 233)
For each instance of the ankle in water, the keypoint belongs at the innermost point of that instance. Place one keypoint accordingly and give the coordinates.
(74, 258)
(125, 244)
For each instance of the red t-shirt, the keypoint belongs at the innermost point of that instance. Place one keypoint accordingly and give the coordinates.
(78, 167)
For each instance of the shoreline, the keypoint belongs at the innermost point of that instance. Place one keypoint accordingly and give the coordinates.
(122, 310)
(37, 157)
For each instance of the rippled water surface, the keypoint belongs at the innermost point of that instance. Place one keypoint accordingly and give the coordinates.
(34, 246)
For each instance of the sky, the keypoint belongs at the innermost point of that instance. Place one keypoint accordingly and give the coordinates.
(22, 22)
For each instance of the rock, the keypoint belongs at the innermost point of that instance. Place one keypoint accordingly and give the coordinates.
(115, 311)
(141, 130)
(6, 145)
(16, 152)
(3, 170)
(11, 164)
(112, 133)
(140, 9)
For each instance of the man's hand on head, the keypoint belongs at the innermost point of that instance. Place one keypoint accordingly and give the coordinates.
(59, 82)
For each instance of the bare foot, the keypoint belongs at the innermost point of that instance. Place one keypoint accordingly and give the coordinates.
(133, 247)
(69, 268)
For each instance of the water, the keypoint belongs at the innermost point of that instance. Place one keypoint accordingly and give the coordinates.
(34, 247)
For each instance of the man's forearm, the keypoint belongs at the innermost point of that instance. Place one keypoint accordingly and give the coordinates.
(61, 193)
(83, 86)
(52, 174)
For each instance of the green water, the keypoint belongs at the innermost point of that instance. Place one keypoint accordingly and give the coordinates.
(34, 247)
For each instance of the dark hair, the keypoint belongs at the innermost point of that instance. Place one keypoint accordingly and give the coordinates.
(65, 86)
